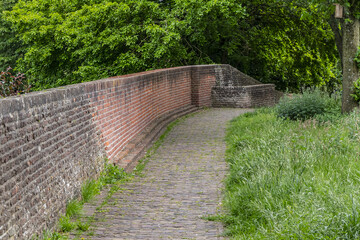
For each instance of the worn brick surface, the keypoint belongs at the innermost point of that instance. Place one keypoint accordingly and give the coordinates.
(236, 89)
(182, 183)
(54, 140)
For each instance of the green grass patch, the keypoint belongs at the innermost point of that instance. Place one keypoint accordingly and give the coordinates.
(89, 190)
(73, 208)
(292, 179)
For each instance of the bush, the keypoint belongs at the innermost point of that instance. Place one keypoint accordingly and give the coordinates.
(356, 89)
(310, 104)
(11, 84)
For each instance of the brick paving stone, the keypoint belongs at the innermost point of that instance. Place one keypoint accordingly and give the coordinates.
(181, 183)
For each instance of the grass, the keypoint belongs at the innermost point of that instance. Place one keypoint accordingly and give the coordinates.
(73, 208)
(292, 179)
(89, 190)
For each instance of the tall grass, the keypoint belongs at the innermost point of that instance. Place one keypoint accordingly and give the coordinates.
(292, 179)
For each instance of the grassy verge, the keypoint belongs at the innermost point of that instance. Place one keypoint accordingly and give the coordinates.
(292, 179)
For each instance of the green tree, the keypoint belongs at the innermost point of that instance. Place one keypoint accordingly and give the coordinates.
(346, 32)
(74, 41)
(282, 45)
(71, 41)
(10, 45)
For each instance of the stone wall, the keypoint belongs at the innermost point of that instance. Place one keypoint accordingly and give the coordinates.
(244, 96)
(52, 141)
(236, 89)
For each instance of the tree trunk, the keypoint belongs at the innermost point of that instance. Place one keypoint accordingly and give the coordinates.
(350, 70)
(334, 24)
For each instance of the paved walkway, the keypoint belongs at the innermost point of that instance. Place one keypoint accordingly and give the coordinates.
(182, 183)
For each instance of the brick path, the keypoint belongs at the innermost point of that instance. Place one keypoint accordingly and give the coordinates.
(182, 182)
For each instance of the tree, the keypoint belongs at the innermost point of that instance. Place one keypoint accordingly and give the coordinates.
(282, 44)
(74, 41)
(10, 45)
(347, 37)
(350, 45)
(71, 41)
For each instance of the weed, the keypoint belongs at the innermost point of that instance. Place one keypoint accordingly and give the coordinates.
(82, 226)
(73, 208)
(65, 224)
(112, 174)
(89, 190)
(47, 235)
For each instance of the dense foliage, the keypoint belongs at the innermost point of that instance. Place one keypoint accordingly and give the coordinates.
(292, 179)
(10, 44)
(356, 94)
(310, 104)
(81, 40)
(285, 46)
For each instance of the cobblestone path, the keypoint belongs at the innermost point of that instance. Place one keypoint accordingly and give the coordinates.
(182, 183)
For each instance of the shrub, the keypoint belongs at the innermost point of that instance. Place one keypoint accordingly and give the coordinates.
(356, 89)
(13, 84)
(310, 104)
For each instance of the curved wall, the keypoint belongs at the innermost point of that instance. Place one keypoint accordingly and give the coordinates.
(54, 140)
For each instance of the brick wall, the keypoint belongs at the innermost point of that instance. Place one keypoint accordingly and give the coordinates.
(54, 140)
(203, 79)
(49, 144)
(244, 96)
(236, 89)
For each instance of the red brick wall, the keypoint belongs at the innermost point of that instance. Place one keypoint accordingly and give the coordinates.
(203, 79)
(52, 141)
(124, 106)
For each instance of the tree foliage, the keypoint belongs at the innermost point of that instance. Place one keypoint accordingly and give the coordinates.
(71, 41)
(10, 45)
(287, 47)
